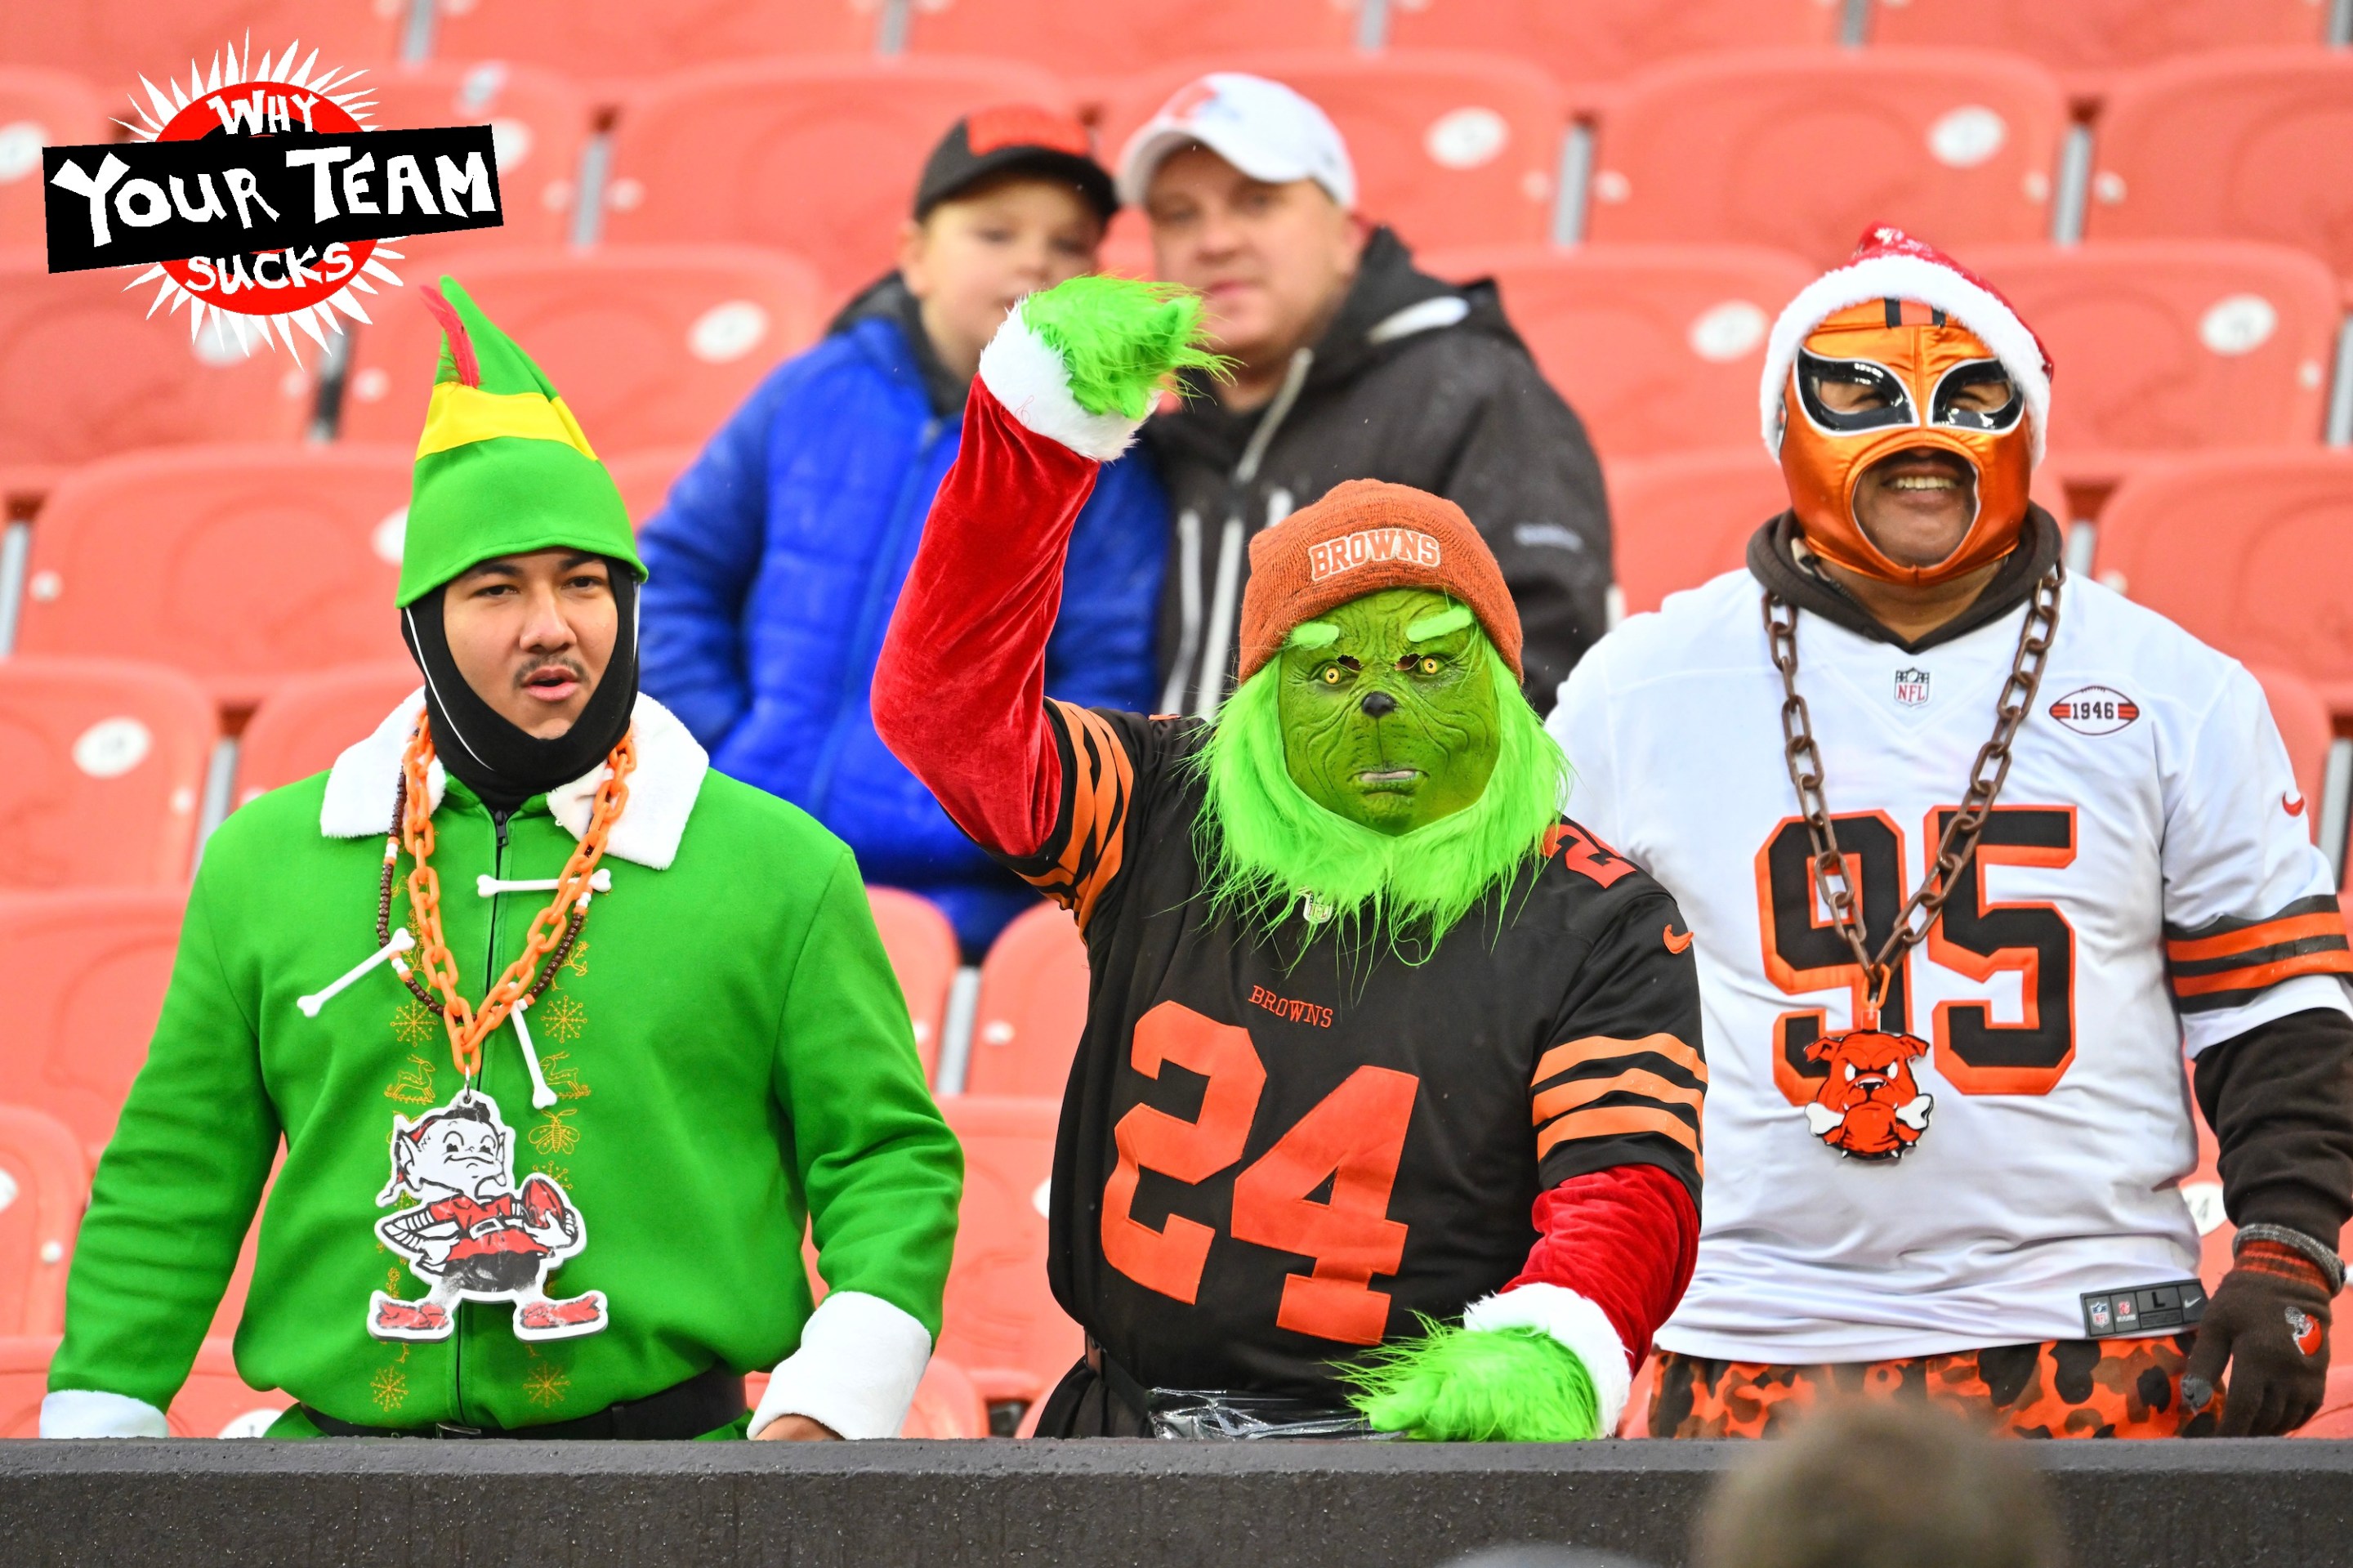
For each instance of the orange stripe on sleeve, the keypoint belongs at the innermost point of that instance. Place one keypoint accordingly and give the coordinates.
(1100, 794)
(2255, 976)
(1618, 1122)
(1601, 1047)
(2270, 934)
(1633, 1081)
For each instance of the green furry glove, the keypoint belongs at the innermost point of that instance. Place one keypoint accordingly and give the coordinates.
(1478, 1385)
(1119, 340)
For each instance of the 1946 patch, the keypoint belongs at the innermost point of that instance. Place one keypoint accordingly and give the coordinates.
(2095, 710)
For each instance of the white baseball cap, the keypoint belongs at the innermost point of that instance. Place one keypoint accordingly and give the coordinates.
(1260, 127)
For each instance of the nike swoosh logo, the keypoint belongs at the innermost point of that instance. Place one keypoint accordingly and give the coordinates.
(2292, 808)
(1675, 944)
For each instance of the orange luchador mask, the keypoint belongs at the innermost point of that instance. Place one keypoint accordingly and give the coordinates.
(1901, 350)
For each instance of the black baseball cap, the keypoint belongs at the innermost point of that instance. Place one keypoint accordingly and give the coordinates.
(1015, 137)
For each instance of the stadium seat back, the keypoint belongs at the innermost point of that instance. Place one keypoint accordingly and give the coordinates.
(2097, 35)
(1032, 1007)
(1658, 348)
(1602, 40)
(644, 479)
(2250, 551)
(85, 973)
(593, 40)
(84, 372)
(1448, 149)
(650, 347)
(240, 565)
(946, 1404)
(2241, 145)
(47, 1180)
(924, 955)
(105, 772)
(24, 1380)
(217, 1403)
(1084, 38)
(2174, 345)
(39, 109)
(112, 42)
(1677, 521)
(302, 726)
(538, 120)
(817, 158)
(1803, 149)
(1001, 1323)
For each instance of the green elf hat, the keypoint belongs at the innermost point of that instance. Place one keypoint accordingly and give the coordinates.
(502, 467)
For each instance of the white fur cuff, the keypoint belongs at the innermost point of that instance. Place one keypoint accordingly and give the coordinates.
(856, 1371)
(1022, 371)
(88, 1412)
(1574, 1322)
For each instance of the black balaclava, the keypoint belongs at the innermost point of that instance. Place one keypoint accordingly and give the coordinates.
(492, 755)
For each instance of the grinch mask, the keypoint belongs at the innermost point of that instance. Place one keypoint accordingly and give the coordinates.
(1388, 711)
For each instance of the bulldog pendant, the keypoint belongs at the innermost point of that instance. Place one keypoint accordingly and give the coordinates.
(472, 1235)
(1870, 1106)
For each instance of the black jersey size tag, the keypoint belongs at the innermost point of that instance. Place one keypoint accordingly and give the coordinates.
(2143, 1309)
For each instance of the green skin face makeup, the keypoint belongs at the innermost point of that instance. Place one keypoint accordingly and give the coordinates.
(1389, 712)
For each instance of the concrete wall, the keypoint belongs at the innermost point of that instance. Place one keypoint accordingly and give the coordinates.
(356, 1505)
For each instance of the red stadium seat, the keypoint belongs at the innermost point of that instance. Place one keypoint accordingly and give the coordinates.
(2174, 345)
(240, 565)
(607, 38)
(1678, 520)
(85, 974)
(538, 121)
(1459, 149)
(2249, 550)
(2097, 35)
(82, 374)
(1802, 149)
(2243, 144)
(946, 1404)
(1085, 38)
(1658, 348)
(112, 42)
(1032, 1005)
(1001, 1323)
(1601, 41)
(47, 1180)
(217, 1403)
(650, 347)
(24, 1379)
(923, 949)
(39, 109)
(302, 726)
(818, 158)
(645, 478)
(106, 769)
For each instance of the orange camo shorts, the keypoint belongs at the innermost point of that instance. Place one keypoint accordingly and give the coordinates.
(2060, 1388)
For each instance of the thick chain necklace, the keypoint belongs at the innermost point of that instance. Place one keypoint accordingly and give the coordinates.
(1986, 780)
(554, 929)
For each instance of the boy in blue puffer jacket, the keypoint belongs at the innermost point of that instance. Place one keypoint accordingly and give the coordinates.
(779, 555)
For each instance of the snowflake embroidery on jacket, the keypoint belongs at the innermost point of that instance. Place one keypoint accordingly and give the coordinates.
(563, 1020)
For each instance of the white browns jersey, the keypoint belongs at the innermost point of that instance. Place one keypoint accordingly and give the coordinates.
(2146, 885)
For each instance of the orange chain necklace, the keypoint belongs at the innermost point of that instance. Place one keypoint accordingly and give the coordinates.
(553, 930)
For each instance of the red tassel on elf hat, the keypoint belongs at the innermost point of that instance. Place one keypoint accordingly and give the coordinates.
(1897, 335)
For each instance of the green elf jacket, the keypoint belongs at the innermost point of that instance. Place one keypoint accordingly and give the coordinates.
(731, 1054)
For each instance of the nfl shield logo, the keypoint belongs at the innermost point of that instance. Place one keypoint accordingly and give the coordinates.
(1911, 688)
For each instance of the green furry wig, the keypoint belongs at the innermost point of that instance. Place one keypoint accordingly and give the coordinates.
(1263, 843)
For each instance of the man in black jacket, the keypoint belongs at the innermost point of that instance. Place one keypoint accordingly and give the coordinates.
(1348, 363)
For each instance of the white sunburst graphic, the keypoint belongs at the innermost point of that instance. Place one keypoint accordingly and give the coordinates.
(237, 88)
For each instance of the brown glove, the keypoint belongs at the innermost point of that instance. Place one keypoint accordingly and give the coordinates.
(2269, 1320)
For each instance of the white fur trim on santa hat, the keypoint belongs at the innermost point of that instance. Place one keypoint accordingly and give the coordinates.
(1023, 372)
(1906, 277)
(1574, 1322)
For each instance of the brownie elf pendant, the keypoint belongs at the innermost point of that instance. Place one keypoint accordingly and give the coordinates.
(472, 1235)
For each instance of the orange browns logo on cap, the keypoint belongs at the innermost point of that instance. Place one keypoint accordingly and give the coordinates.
(1330, 557)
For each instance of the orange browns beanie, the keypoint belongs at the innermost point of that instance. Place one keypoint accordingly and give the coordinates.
(1361, 537)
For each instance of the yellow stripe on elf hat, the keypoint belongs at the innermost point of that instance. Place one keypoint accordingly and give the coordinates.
(502, 466)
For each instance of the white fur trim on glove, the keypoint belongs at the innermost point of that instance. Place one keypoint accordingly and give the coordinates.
(88, 1412)
(1898, 276)
(1022, 371)
(856, 1371)
(1574, 1322)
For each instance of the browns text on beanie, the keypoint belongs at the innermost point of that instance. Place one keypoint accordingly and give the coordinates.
(1363, 536)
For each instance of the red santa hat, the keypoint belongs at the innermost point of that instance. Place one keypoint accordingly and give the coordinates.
(1889, 264)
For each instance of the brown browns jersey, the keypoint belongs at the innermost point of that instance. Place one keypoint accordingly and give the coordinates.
(1277, 1146)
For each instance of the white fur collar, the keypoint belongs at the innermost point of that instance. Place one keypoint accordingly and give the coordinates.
(662, 787)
